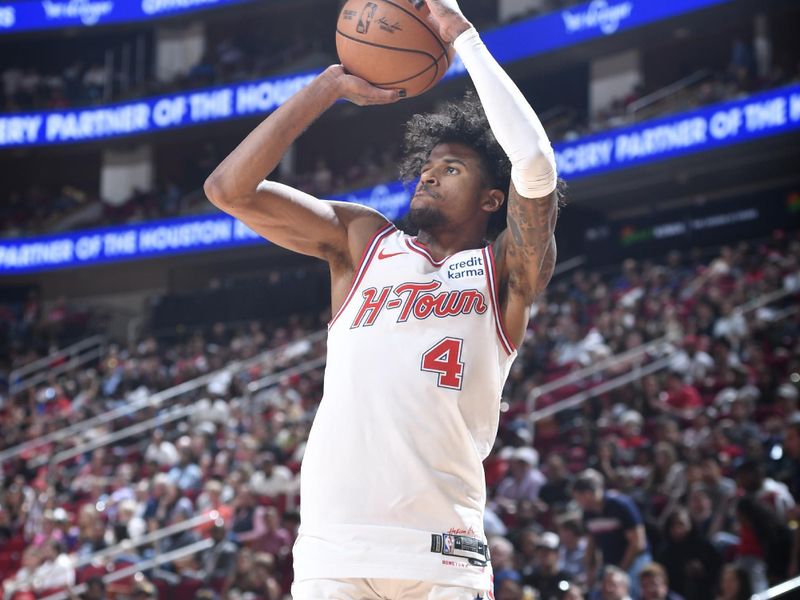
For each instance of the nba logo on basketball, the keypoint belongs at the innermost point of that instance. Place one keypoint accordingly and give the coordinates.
(366, 17)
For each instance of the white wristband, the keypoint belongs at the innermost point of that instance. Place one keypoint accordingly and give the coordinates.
(514, 123)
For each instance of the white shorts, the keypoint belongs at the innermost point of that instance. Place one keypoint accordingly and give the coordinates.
(382, 589)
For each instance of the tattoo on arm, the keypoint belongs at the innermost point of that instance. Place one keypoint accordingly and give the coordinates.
(531, 247)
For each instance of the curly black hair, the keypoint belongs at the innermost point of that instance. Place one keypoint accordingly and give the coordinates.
(465, 123)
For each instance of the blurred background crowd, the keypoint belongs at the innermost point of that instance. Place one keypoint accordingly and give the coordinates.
(684, 481)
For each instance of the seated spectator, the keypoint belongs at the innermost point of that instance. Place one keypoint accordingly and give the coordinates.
(615, 584)
(572, 552)
(524, 480)
(95, 589)
(721, 491)
(186, 474)
(56, 569)
(735, 584)
(161, 451)
(751, 477)
(502, 552)
(555, 493)
(217, 562)
(654, 584)
(765, 543)
(548, 580)
(272, 479)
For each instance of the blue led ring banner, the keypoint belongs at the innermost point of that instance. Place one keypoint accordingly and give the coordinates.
(580, 23)
(53, 14)
(723, 124)
(161, 238)
(151, 114)
(739, 121)
(530, 37)
(761, 115)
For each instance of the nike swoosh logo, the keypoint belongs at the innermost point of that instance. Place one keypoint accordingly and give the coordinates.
(382, 254)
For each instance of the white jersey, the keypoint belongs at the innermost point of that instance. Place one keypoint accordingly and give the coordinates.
(392, 482)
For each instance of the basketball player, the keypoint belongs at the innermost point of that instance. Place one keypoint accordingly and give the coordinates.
(423, 333)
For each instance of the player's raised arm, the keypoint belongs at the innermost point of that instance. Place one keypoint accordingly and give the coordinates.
(526, 250)
(289, 217)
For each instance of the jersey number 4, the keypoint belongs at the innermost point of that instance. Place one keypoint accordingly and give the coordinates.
(445, 359)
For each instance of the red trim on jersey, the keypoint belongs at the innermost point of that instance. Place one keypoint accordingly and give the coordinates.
(419, 248)
(491, 278)
(369, 254)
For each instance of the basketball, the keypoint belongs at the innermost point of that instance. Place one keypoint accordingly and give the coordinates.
(392, 44)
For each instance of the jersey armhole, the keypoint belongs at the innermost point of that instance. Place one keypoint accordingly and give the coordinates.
(363, 265)
(491, 280)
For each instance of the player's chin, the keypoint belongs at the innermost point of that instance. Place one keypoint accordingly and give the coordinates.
(424, 215)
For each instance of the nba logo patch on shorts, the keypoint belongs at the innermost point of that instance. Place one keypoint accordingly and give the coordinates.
(449, 544)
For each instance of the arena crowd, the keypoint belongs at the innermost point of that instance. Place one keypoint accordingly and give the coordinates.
(680, 484)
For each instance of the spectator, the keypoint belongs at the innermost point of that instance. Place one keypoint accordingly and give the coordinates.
(655, 584)
(160, 451)
(548, 579)
(508, 588)
(272, 479)
(615, 527)
(502, 552)
(701, 511)
(186, 474)
(765, 543)
(692, 361)
(555, 492)
(218, 561)
(682, 400)
(752, 479)
(735, 584)
(524, 480)
(95, 589)
(720, 489)
(572, 592)
(56, 569)
(615, 584)
(572, 552)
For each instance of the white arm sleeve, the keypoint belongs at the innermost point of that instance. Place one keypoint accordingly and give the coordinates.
(513, 121)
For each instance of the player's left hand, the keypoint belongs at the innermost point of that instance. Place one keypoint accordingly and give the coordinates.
(448, 17)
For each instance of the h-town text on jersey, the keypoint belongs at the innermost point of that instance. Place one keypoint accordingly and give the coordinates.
(418, 300)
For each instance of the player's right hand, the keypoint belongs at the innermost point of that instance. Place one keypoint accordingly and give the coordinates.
(359, 91)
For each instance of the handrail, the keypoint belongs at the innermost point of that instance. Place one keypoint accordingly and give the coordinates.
(45, 374)
(154, 400)
(568, 265)
(127, 545)
(143, 565)
(174, 414)
(667, 91)
(778, 590)
(110, 438)
(311, 365)
(763, 300)
(41, 367)
(47, 360)
(580, 374)
(606, 386)
(635, 373)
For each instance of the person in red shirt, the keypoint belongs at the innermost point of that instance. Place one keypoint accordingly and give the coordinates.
(681, 399)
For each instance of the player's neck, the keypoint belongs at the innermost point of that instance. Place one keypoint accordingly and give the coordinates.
(442, 244)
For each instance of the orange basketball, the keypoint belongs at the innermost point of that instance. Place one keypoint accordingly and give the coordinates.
(392, 44)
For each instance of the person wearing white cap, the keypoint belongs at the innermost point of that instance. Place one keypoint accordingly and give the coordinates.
(548, 579)
(524, 479)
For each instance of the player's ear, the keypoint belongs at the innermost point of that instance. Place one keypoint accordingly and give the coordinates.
(493, 200)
